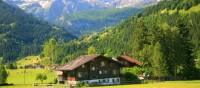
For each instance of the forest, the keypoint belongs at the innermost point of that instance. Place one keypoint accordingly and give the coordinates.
(165, 37)
(83, 23)
(22, 34)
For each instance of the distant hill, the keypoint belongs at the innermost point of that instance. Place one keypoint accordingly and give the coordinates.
(87, 22)
(52, 9)
(70, 13)
(22, 34)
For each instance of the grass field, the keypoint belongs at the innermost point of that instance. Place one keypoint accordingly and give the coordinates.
(29, 60)
(168, 84)
(28, 76)
(17, 86)
(30, 86)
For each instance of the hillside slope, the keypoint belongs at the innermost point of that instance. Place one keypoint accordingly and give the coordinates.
(22, 34)
(168, 41)
(87, 22)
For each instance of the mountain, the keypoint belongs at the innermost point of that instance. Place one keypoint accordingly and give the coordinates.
(163, 36)
(22, 34)
(80, 23)
(62, 11)
(60, 7)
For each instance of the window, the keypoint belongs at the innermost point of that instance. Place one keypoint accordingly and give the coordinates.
(79, 74)
(102, 63)
(101, 80)
(105, 71)
(114, 72)
(94, 77)
(93, 68)
(104, 80)
(107, 80)
(113, 80)
(126, 63)
(100, 72)
(83, 66)
(118, 80)
(86, 82)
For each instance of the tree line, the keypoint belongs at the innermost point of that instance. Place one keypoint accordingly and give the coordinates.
(167, 44)
(22, 34)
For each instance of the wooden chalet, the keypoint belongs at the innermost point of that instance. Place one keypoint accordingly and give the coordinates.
(95, 69)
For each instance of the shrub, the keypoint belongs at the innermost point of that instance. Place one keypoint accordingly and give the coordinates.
(130, 78)
(3, 74)
(11, 66)
(81, 84)
(41, 77)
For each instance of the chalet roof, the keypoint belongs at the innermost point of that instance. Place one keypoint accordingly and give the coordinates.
(130, 59)
(78, 62)
(86, 58)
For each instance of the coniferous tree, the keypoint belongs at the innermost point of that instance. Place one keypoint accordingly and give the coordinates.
(3, 72)
(158, 62)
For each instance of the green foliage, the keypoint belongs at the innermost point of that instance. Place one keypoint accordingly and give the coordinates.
(49, 49)
(82, 85)
(22, 34)
(134, 70)
(91, 50)
(1, 60)
(11, 65)
(41, 77)
(53, 52)
(198, 60)
(170, 5)
(85, 23)
(158, 63)
(3, 74)
(130, 77)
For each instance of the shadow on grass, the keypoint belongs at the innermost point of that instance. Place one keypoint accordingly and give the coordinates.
(6, 84)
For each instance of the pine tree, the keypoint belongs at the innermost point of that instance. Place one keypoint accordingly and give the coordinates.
(49, 49)
(158, 62)
(3, 73)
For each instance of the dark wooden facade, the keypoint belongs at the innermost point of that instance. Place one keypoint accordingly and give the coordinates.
(98, 68)
(94, 67)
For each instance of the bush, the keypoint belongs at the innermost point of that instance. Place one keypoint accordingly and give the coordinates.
(3, 75)
(54, 81)
(81, 84)
(11, 66)
(41, 77)
(130, 78)
(191, 74)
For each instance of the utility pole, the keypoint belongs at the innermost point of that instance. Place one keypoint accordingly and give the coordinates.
(24, 75)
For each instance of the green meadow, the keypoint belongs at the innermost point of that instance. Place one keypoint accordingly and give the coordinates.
(167, 84)
(28, 76)
(22, 78)
(180, 84)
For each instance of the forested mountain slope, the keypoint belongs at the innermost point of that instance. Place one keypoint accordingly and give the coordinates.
(82, 17)
(22, 34)
(54, 9)
(87, 22)
(165, 37)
